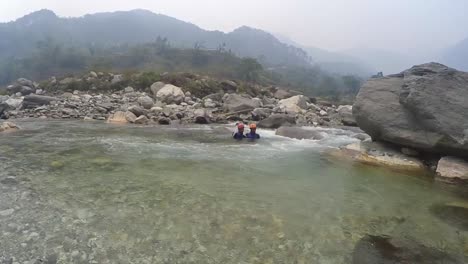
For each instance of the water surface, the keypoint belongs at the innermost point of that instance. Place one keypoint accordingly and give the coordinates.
(79, 192)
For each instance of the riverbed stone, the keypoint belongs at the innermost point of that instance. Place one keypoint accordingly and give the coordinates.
(380, 154)
(295, 104)
(141, 120)
(117, 117)
(453, 168)
(388, 250)
(130, 117)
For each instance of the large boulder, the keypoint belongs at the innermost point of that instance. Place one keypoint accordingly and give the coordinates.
(294, 104)
(452, 168)
(298, 133)
(239, 103)
(425, 107)
(32, 101)
(155, 87)
(170, 94)
(277, 120)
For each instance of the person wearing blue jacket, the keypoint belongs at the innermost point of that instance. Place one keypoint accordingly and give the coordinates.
(253, 132)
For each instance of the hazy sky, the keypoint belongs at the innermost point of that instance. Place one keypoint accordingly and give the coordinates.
(399, 25)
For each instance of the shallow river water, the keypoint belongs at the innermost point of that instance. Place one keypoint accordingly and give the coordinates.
(85, 192)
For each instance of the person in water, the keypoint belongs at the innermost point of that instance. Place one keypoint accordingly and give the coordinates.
(253, 132)
(240, 132)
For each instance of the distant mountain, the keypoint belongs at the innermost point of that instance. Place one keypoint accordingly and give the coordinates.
(457, 56)
(384, 61)
(333, 62)
(19, 38)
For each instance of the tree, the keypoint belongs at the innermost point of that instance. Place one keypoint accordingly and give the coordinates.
(249, 70)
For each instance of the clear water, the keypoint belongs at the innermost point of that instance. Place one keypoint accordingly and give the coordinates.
(102, 193)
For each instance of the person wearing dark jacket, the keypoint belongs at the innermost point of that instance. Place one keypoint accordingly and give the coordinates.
(239, 135)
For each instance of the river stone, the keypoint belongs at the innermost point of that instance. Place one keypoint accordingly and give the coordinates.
(8, 127)
(14, 103)
(277, 120)
(33, 100)
(138, 111)
(282, 94)
(379, 154)
(425, 107)
(25, 82)
(130, 116)
(146, 102)
(117, 117)
(454, 215)
(453, 168)
(295, 104)
(298, 133)
(201, 116)
(170, 94)
(129, 89)
(260, 113)
(142, 120)
(239, 103)
(164, 121)
(386, 250)
(346, 115)
(155, 87)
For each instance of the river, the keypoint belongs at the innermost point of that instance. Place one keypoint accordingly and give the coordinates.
(90, 192)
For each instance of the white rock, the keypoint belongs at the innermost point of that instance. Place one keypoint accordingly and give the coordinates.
(129, 89)
(452, 168)
(170, 94)
(294, 104)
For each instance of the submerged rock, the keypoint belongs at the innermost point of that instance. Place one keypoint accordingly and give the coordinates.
(453, 215)
(452, 168)
(425, 108)
(379, 154)
(386, 250)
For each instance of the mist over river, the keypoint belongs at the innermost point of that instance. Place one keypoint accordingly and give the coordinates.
(90, 192)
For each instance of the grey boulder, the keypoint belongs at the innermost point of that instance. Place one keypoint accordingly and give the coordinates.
(277, 120)
(425, 107)
(240, 103)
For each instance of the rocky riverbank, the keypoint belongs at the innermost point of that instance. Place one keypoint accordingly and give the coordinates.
(165, 103)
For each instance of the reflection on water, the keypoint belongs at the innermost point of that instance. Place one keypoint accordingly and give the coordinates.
(95, 193)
